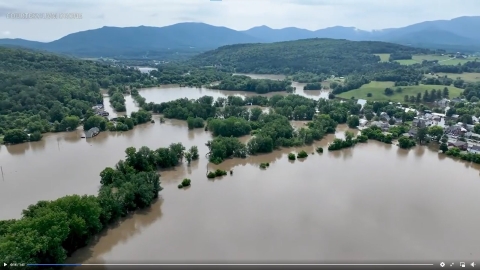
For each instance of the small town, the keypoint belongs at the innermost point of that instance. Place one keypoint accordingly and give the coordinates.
(460, 135)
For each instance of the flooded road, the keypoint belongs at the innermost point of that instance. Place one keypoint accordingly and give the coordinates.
(374, 202)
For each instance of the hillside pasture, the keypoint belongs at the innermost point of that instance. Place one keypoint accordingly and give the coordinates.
(407, 62)
(430, 57)
(455, 61)
(418, 59)
(468, 77)
(384, 57)
(442, 59)
(377, 89)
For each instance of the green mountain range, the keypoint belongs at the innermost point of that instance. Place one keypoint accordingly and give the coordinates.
(186, 39)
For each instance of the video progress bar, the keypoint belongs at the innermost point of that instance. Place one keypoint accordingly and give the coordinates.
(314, 264)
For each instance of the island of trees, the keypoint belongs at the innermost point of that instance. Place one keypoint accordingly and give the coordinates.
(260, 86)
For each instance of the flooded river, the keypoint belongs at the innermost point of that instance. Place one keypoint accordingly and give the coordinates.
(372, 202)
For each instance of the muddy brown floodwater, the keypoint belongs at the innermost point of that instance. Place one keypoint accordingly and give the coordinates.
(373, 202)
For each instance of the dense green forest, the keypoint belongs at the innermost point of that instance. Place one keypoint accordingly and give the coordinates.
(50, 231)
(42, 92)
(318, 56)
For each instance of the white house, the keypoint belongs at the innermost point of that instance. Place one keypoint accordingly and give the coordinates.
(474, 149)
(362, 102)
(363, 122)
(411, 110)
(443, 102)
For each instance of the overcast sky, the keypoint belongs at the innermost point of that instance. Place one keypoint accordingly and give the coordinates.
(235, 14)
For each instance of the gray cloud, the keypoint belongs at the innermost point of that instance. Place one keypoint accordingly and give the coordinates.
(235, 14)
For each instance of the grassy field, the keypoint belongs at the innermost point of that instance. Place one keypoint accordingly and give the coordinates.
(407, 62)
(468, 77)
(442, 59)
(383, 56)
(377, 90)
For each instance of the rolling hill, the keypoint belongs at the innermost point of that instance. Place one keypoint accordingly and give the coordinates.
(319, 55)
(187, 39)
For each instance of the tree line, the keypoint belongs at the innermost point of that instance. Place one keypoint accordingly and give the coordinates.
(50, 231)
(259, 86)
(16, 136)
(42, 92)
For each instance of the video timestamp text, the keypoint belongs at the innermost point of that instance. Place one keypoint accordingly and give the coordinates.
(44, 16)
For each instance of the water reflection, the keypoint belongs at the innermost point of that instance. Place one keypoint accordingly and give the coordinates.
(419, 150)
(37, 146)
(402, 153)
(120, 233)
(18, 149)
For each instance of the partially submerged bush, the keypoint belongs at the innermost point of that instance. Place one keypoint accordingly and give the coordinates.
(291, 156)
(186, 182)
(302, 154)
(319, 150)
(217, 173)
(264, 165)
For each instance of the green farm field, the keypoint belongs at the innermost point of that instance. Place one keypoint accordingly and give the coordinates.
(468, 77)
(383, 56)
(442, 59)
(417, 59)
(377, 90)
(407, 62)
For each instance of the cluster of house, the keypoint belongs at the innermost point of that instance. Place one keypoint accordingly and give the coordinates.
(99, 110)
(460, 135)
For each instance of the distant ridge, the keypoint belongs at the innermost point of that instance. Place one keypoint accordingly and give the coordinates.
(193, 37)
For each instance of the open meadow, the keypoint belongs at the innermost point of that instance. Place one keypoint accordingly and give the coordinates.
(417, 59)
(468, 77)
(384, 57)
(377, 89)
(442, 59)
